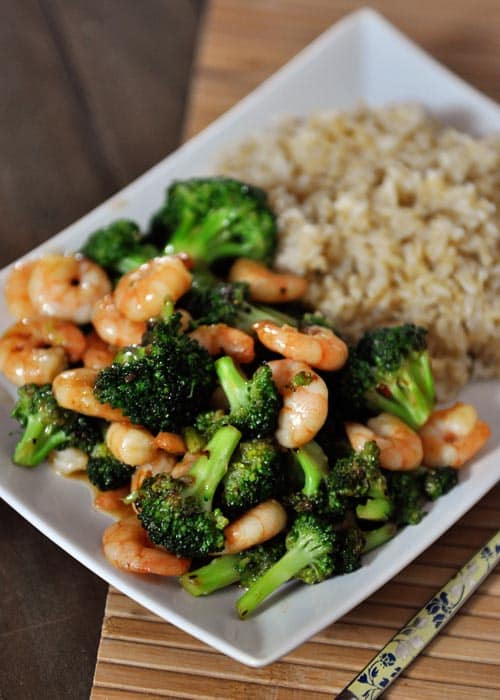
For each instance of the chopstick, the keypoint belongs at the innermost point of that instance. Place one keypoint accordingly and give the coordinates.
(407, 644)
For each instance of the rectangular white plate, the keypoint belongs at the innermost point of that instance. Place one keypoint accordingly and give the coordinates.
(360, 58)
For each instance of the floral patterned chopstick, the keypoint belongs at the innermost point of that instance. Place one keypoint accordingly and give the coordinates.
(407, 644)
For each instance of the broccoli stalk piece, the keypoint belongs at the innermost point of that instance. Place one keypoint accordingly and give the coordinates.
(163, 383)
(254, 403)
(253, 476)
(48, 426)
(245, 568)
(313, 465)
(389, 371)
(310, 557)
(105, 471)
(357, 481)
(378, 536)
(179, 515)
(119, 247)
(216, 218)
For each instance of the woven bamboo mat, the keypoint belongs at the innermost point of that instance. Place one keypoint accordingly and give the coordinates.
(142, 657)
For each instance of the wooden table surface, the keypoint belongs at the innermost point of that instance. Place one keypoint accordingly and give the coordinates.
(94, 92)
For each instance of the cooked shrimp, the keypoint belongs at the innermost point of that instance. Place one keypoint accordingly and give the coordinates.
(317, 346)
(37, 349)
(452, 436)
(112, 502)
(170, 442)
(221, 339)
(141, 294)
(400, 446)
(163, 462)
(255, 526)
(16, 290)
(67, 287)
(68, 461)
(74, 389)
(113, 327)
(98, 353)
(305, 402)
(130, 443)
(266, 285)
(127, 546)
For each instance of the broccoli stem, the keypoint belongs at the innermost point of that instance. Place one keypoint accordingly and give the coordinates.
(219, 573)
(36, 442)
(314, 464)
(136, 259)
(405, 396)
(207, 241)
(253, 313)
(209, 469)
(301, 555)
(379, 536)
(233, 384)
(378, 508)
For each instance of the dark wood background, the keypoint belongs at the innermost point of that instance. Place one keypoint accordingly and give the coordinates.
(93, 93)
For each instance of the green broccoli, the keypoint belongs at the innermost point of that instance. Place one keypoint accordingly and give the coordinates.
(438, 481)
(350, 546)
(409, 491)
(388, 371)
(119, 247)
(179, 515)
(216, 218)
(163, 383)
(253, 476)
(357, 481)
(212, 301)
(244, 568)
(254, 403)
(313, 468)
(48, 426)
(378, 536)
(105, 471)
(310, 556)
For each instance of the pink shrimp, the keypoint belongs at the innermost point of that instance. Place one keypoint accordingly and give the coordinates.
(452, 436)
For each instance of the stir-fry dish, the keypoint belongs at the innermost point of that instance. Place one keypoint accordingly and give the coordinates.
(235, 436)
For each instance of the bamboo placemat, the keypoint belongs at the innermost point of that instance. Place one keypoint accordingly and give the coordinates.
(140, 656)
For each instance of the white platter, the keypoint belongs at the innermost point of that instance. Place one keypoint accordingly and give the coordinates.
(360, 58)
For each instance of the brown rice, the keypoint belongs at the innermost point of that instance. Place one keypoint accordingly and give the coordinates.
(392, 217)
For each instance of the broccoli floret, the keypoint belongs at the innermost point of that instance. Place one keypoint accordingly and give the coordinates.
(310, 556)
(350, 547)
(357, 480)
(179, 515)
(211, 301)
(409, 491)
(313, 467)
(163, 383)
(438, 481)
(253, 476)
(216, 218)
(245, 568)
(119, 247)
(105, 471)
(254, 403)
(48, 426)
(389, 371)
(406, 494)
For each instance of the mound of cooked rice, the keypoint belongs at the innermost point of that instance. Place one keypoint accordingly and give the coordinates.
(392, 217)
